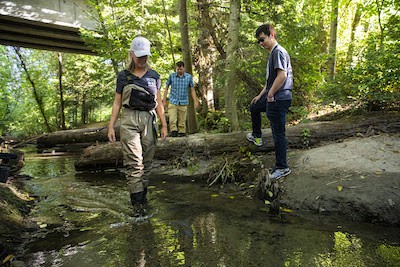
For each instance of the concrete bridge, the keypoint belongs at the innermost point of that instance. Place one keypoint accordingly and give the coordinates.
(45, 24)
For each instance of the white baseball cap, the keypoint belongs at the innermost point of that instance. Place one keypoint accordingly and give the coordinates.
(140, 46)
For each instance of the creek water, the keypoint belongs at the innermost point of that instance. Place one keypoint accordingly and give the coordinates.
(83, 220)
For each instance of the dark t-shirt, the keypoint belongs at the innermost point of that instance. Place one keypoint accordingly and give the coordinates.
(280, 59)
(150, 81)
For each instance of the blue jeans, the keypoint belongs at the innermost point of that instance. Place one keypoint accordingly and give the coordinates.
(276, 113)
(255, 111)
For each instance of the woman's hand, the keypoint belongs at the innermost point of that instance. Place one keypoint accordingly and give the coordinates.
(111, 134)
(164, 132)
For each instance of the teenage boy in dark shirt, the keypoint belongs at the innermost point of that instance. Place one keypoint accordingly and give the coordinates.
(278, 90)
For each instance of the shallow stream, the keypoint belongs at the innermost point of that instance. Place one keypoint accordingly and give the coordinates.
(83, 220)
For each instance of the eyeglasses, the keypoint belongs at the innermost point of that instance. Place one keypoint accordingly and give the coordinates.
(261, 40)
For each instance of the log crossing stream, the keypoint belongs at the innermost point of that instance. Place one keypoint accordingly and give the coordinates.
(83, 220)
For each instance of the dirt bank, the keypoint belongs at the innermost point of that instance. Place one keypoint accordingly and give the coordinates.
(358, 178)
(14, 207)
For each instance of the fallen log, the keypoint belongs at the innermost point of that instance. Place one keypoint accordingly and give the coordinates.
(304, 135)
(78, 137)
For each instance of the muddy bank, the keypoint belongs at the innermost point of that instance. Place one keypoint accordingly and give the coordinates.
(358, 178)
(14, 207)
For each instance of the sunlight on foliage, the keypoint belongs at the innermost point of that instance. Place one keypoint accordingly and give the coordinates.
(347, 251)
(390, 254)
(366, 74)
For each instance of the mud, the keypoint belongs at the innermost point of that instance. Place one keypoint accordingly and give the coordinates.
(358, 178)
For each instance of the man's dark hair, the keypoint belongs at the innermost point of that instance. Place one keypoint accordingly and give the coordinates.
(267, 29)
(180, 64)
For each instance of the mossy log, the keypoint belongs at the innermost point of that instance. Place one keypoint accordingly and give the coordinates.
(303, 135)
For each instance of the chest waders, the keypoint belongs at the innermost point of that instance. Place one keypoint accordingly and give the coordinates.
(138, 140)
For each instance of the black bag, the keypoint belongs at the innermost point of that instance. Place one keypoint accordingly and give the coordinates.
(140, 98)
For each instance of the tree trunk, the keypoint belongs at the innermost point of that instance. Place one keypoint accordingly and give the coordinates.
(207, 146)
(231, 65)
(187, 59)
(333, 39)
(76, 108)
(207, 53)
(169, 32)
(84, 111)
(205, 57)
(354, 24)
(81, 137)
(379, 7)
(60, 88)
(35, 92)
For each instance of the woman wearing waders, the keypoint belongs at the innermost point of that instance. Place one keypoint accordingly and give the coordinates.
(138, 94)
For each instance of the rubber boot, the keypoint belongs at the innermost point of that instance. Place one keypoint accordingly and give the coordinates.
(145, 202)
(145, 195)
(137, 200)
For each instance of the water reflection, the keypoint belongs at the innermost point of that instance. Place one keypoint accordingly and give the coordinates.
(85, 221)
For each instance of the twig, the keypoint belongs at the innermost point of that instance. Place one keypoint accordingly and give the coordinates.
(219, 174)
(27, 141)
(332, 182)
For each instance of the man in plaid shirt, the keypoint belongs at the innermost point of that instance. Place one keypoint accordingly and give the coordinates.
(180, 82)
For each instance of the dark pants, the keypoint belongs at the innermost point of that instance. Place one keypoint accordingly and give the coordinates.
(255, 111)
(276, 113)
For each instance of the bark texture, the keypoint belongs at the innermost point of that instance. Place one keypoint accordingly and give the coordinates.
(231, 64)
(104, 156)
(192, 126)
(63, 140)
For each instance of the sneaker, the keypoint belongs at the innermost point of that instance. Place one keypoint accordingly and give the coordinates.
(181, 134)
(257, 141)
(174, 134)
(279, 173)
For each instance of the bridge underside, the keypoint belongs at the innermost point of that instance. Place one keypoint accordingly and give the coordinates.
(20, 32)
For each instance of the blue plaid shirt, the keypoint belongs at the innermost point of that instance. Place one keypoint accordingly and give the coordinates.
(179, 94)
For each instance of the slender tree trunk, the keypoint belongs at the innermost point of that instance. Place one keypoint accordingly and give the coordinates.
(76, 110)
(60, 88)
(206, 53)
(84, 111)
(333, 38)
(205, 57)
(169, 33)
(354, 24)
(187, 59)
(35, 92)
(379, 7)
(231, 64)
